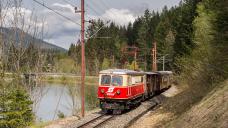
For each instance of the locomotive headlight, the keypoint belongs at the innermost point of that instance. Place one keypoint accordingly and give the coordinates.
(102, 91)
(118, 92)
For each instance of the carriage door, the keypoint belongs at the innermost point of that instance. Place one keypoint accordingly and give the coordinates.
(129, 85)
(153, 82)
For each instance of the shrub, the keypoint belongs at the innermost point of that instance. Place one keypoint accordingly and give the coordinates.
(15, 108)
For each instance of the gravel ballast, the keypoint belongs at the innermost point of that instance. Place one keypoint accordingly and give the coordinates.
(123, 120)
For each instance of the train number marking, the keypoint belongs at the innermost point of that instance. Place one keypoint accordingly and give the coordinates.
(110, 89)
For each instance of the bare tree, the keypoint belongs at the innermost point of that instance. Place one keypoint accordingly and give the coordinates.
(17, 54)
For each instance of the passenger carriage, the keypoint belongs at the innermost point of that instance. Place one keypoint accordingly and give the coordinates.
(165, 79)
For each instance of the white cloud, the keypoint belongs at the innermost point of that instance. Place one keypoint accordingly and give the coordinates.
(63, 7)
(58, 30)
(61, 31)
(119, 16)
(19, 16)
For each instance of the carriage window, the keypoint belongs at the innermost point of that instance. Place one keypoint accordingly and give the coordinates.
(105, 80)
(117, 80)
(165, 78)
(136, 79)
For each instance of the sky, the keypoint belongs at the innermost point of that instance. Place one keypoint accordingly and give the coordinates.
(63, 32)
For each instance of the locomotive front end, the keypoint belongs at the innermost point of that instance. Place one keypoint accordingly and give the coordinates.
(114, 91)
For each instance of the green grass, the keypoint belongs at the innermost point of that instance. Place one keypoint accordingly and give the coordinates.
(40, 125)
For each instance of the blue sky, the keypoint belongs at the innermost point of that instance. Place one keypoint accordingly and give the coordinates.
(62, 32)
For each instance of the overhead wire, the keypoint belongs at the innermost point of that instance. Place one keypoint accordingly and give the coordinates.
(74, 5)
(97, 13)
(67, 18)
(98, 6)
(87, 5)
(66, 1)
(114, 14)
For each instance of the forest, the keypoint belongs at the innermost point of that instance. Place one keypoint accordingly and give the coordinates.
(193, 38)
(192, 34)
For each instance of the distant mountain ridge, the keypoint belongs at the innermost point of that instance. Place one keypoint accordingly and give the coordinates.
(16, 35)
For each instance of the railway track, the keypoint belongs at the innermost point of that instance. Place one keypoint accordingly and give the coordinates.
(96, 122)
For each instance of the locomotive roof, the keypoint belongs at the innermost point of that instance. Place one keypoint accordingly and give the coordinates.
(164, 72)
(151, 73)
(122, 72)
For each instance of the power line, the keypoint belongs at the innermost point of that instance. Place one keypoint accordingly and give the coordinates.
(114, 14)
(98, 13)
(98, 30)
(74, 5)
(98, 6)
(67, 18)
(105, 4)
(87, 5)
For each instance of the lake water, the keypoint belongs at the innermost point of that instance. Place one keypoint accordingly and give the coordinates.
(51, 99)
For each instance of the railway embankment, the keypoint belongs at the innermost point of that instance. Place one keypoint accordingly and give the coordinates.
(188, 110)
(121, 121)
(176, 108)
(124, 120)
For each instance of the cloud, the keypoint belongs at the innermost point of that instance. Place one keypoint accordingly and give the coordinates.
(61, 31)
(119, 16)
(63, 7)
(58, 30)
(20, 17)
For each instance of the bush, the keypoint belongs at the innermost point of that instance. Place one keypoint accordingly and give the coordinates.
(15, 108)
(60, 114)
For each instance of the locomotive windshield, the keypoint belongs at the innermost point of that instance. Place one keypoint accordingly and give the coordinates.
(114, 80)
(105, 80)
(117, 80)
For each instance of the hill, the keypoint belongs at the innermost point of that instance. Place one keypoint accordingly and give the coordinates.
(16, 35)
(210, 112)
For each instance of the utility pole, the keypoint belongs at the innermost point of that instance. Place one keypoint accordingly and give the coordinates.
(154, 57)
(82, 11)
(131, 50)
(83, 58)
(1, 44)
(163, 63)
(135, 58)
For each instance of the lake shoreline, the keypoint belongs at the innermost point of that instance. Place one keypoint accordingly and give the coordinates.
(68, 79)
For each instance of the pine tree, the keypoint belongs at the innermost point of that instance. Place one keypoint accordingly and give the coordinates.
(15, 108)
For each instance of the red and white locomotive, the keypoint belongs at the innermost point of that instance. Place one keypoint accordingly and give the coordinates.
(121, 89)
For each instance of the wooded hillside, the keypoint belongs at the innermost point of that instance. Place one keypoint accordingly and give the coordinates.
(191, 35)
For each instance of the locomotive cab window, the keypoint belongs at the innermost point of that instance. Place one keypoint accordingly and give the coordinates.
(105, 80)
(117, 80)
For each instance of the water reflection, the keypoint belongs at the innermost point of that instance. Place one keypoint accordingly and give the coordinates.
(51, 98)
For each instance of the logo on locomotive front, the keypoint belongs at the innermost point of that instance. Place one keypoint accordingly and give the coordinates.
(111, 89)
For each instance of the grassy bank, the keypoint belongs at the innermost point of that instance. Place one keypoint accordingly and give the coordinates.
(186, 107)
(40, 125)
(211, 111)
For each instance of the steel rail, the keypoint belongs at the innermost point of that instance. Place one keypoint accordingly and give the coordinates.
(96, 122)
